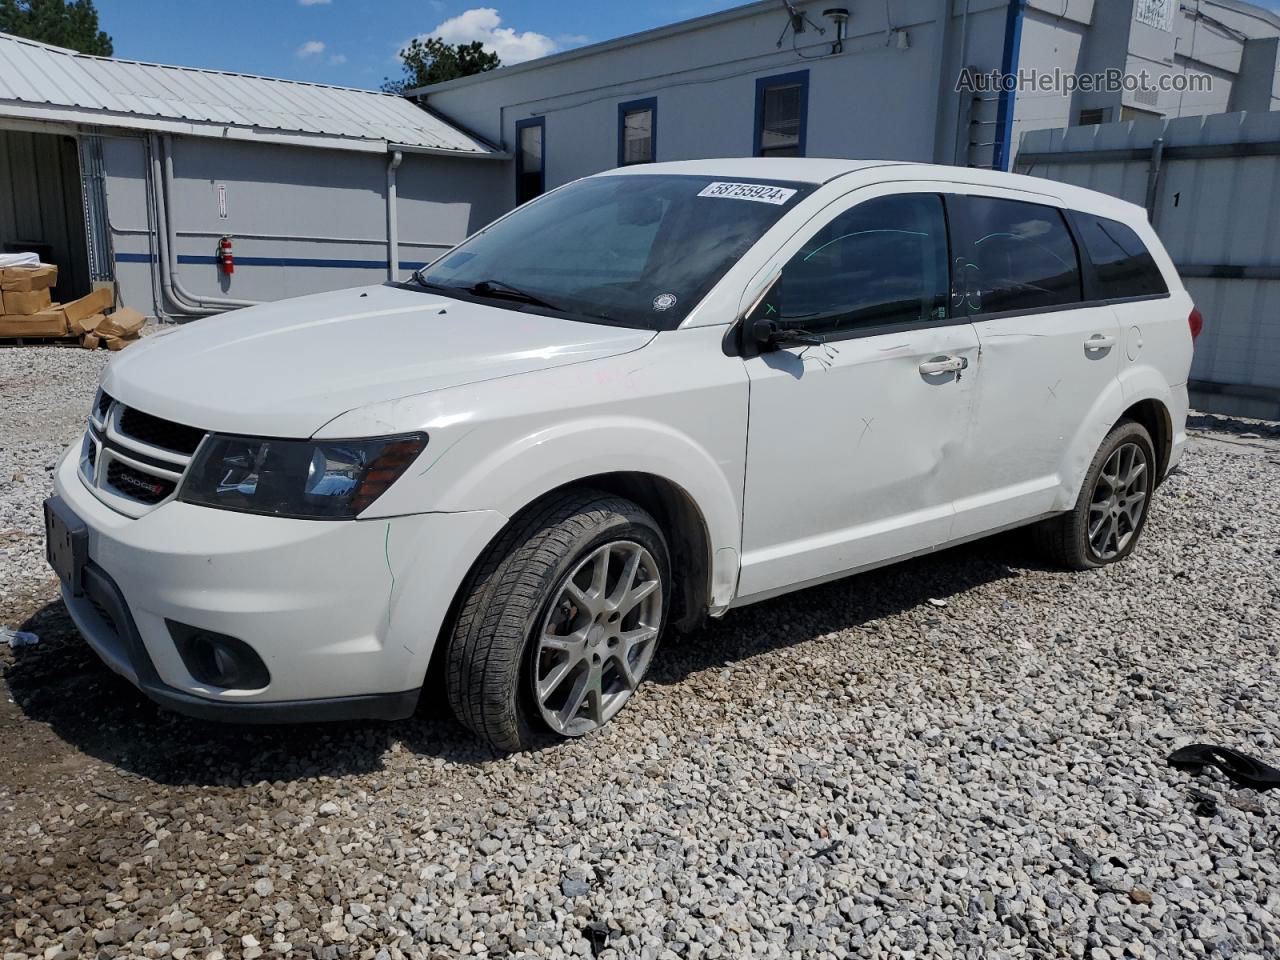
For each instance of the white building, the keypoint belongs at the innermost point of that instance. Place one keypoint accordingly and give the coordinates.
(129, 174)
(883, 84)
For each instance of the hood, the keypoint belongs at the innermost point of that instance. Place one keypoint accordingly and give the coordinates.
(285, 369)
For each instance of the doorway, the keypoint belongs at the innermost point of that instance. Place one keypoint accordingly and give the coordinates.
(42, 206)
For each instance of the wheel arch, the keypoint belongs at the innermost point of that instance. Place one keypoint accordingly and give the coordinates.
(1155, 416)
(685, 528)
(677, 513)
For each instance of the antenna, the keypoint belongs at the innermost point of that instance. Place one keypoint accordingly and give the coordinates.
(839, 17)
(796, 21)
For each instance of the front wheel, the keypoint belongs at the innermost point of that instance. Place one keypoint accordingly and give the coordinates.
(1112, 508)
(560, 621)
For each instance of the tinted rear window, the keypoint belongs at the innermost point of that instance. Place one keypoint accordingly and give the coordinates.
(1009, 255)
(1124, 266)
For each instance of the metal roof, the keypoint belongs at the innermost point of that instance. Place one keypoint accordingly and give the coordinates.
(44, 83)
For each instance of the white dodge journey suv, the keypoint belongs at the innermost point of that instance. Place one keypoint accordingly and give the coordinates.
(645, 397)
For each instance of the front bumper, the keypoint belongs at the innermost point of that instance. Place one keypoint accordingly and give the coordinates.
(344, 614)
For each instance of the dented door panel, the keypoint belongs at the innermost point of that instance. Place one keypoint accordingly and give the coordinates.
(1039, 377)
(852, 454)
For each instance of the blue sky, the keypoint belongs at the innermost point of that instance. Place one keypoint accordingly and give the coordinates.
(354, 42)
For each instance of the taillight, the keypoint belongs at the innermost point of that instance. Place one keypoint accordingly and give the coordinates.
(1196, 322)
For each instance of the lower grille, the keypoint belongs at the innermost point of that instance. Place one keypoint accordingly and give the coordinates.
(138, 485)
(103, 615)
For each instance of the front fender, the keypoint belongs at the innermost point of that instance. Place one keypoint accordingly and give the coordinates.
(675, 410)
(511, 475)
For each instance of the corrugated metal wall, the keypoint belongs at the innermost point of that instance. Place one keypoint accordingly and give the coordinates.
(1215, 203)
(40, 204)
(302, 220)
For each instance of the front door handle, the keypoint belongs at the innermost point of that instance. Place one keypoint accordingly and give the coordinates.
(944, 365)
(1100, 341)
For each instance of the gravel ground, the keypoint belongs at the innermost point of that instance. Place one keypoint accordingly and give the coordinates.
(959, 756)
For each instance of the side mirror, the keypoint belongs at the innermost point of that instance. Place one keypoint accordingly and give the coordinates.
(759, 336)
(764, 336)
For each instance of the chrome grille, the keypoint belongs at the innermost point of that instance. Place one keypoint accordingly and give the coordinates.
(135, 461)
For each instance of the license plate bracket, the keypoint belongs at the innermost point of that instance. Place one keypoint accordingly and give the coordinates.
(66, 544)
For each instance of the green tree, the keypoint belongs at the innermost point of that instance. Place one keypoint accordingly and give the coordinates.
(73, 25)
(431, 60)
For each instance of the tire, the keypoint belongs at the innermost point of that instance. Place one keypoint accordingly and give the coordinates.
(1065, 540)
(530, 610)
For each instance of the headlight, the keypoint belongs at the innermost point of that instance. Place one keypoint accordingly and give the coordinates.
(316, 480)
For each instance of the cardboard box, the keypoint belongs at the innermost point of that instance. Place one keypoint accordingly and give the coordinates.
(25, 279)
(25, 303)
(119, 343)
(49, 323)
(99, 301)
(90, 341)
(87, 325)
(125, 322)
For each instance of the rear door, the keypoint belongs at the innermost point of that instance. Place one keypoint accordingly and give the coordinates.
(853, 443)
(1046, 357)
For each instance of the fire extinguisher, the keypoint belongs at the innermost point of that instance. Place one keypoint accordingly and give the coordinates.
(225, 256)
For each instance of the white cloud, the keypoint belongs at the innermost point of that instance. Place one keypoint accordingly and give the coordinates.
(311, 48)
(484, 24)
(338, 58)
(312, 3)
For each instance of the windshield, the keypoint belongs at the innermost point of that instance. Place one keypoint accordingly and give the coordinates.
(636, 250)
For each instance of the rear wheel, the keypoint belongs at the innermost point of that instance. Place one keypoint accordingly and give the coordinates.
(1111, 511)
(560, 621)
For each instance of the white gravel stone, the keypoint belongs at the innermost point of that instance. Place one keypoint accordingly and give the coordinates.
(849, 771)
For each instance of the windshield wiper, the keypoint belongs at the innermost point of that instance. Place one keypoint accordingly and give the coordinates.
(505, 291)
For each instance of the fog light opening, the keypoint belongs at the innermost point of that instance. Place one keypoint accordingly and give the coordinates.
(218, 660)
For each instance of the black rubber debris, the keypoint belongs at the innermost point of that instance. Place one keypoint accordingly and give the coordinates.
(1240, 768)
(1206, 805)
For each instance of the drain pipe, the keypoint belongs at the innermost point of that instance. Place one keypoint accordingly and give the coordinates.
(963, 62)
(162, 232)
(393, 221)
(1153, 177)
(153, 236)
(203, 304)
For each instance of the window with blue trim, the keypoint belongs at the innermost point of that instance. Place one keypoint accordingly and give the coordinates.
(782, 114)
(637, 131)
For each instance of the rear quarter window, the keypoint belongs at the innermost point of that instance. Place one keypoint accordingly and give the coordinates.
(1123, 265)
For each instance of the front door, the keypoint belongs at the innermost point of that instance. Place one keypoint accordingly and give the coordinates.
(852, 443)
(1046, 359)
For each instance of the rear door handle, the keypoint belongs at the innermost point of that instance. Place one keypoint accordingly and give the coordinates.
(944, 365)
(1100, 341)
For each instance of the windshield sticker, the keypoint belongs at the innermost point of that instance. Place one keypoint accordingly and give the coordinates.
(759, 192)
(664, 301)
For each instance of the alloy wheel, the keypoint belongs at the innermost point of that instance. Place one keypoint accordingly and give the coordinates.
(1119, 501)
(598, 638)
